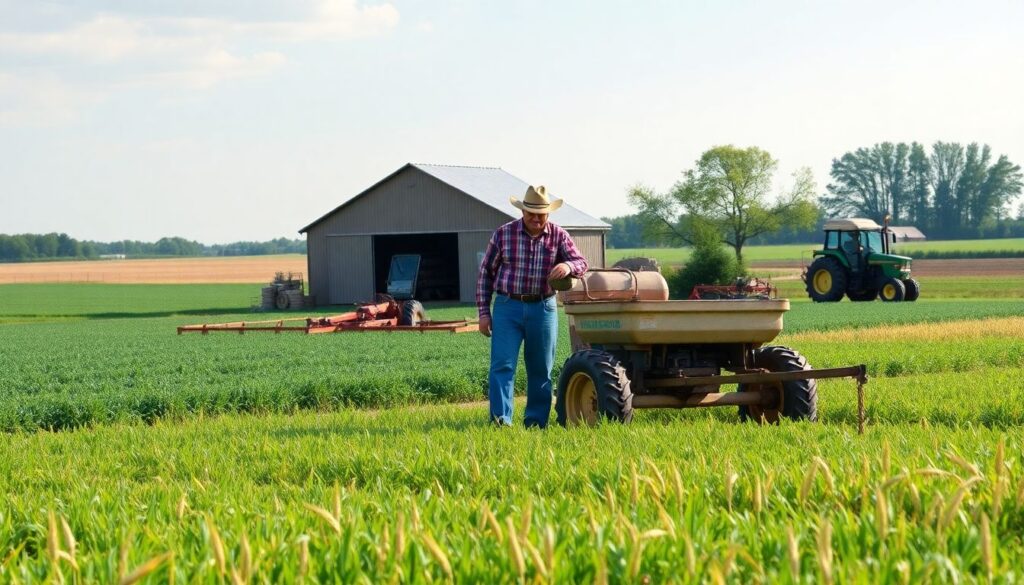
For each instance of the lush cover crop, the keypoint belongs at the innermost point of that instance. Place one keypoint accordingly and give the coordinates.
(107, 365)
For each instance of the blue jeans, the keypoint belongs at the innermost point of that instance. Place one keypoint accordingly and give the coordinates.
(514, 323)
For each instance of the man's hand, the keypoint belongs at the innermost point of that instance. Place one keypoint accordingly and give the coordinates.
(559, 271)
(485, 326)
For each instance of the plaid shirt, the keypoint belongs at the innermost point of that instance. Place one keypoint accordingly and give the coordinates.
(517, 263)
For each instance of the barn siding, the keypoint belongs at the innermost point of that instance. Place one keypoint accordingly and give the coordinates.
(591, 244)
(472, 246)
(316, 267)
(350, 269)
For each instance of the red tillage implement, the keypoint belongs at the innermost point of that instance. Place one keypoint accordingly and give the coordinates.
(387, 315)
(753, 288)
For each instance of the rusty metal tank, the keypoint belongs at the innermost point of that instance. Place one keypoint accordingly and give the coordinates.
(617, 285)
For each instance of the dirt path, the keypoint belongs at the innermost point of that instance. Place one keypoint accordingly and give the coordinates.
(234, 269)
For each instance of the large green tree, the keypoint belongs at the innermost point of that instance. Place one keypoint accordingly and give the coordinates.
(730, 188)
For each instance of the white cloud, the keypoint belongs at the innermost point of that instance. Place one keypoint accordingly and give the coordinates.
(133, 50)
(214, 67)
(40, 100)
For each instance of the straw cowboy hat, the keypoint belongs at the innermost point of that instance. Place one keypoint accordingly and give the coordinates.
(536, 200)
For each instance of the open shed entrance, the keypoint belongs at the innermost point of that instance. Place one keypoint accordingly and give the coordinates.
(439, 267)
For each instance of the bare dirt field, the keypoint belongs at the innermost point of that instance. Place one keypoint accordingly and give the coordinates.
(976, 267)
(232, 269)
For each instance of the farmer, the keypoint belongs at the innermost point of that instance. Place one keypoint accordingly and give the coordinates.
(521, 258)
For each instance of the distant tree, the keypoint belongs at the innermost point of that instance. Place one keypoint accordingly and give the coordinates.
(627, 232)
(730, 189)
(871, 182)
(919, 171)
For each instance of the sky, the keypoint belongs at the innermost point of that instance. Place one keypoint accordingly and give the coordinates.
(221, 121)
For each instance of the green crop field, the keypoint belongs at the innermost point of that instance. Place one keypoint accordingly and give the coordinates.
(367, 457)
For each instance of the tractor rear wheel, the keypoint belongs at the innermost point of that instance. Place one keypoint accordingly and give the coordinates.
(862, 296)
(799, 398)
(892, 290)
(412, 313)
(826, 280)
(593, 385)
(913, 289)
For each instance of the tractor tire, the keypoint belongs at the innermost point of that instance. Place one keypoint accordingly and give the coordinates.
(913, 290)
(892, 290)
(282, 301)
(799, 397)
(412, 313)
(593, 385)
(826, 280)
(862, 296)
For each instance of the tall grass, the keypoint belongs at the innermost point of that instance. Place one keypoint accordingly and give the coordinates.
(434, 494)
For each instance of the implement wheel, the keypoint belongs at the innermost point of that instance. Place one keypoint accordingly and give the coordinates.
(412, 313)
(593, 385)
(893, 290)
(913, 289)
(282, 301)
(798, 399)
(826, 280)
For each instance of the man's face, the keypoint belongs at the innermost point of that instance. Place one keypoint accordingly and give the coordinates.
(535, 222)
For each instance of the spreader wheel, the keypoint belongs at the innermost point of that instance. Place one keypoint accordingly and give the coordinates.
(412, 313)
(593, 385)
(826, 280)
(913, 289)
(797, 399)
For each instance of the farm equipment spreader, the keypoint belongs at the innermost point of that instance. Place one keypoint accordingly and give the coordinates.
(637, 349)
(385, 314)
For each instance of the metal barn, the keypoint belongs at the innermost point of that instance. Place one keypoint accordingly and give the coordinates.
(444, 213)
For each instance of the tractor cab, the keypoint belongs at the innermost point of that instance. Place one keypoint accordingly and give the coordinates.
(857, 261)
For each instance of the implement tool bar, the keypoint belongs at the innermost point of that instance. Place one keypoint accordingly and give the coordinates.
(860, 373)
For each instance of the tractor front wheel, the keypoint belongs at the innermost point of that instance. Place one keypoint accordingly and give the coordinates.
(892, 291)
(798, 399)
(593, 385)
(913, 289)
(826, 280)
(412, 313)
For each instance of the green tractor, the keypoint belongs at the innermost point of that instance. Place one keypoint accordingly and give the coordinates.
(856, 261)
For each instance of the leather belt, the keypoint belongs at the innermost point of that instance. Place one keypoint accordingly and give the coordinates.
(527, 298)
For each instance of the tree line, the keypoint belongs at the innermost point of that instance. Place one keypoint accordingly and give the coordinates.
(52, 246)
(950, 192)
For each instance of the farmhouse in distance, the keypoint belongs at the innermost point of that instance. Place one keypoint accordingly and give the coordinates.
(444, 213)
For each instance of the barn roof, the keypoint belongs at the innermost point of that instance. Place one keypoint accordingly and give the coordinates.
(489, 185)
(907, 232)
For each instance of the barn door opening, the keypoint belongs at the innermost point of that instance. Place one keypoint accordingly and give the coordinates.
(438, 278)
